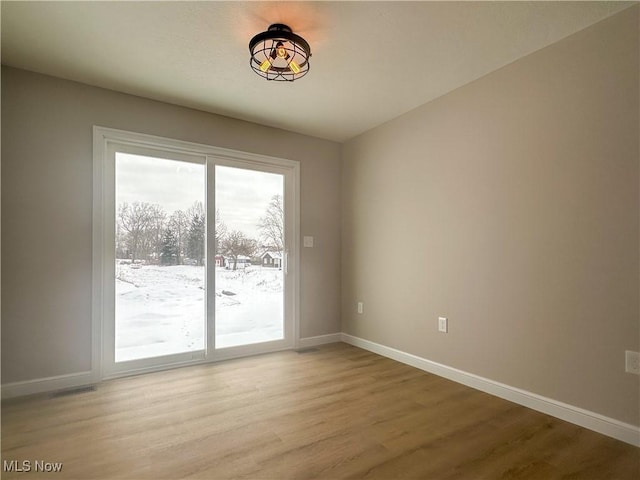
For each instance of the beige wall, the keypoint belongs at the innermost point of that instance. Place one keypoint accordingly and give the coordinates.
(511, 206)
(46, 212)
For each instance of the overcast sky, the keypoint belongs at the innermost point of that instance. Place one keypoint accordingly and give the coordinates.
(242, 196)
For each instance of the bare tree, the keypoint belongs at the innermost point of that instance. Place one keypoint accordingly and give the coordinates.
(140, 226)
(155, 232)
(271, 226)
(221, 230)
(133, 222)
(122, 250)
(237, 243)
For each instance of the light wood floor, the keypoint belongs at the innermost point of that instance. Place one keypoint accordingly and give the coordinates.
(335, 412)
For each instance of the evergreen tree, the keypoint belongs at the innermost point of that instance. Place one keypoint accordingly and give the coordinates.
(195, 243)
(169, 253)
(179, 223)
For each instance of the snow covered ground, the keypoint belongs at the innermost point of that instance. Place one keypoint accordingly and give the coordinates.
(160, 310)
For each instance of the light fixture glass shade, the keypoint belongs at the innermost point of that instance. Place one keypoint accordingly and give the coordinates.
(279, 54)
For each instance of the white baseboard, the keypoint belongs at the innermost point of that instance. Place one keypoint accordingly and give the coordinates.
(60, 382)
(48, 384)
(319, 340)
(593, 421)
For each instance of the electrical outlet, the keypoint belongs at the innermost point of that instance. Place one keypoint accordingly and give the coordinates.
(360, 307)
(443, 324)
(632, 362)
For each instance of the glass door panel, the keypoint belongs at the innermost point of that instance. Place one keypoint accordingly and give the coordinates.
(160, 255)
(250, 257)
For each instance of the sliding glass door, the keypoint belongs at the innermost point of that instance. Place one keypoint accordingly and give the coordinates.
(250, 240)
(196, 253)
(159, 257)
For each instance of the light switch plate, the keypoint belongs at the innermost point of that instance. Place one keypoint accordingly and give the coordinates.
(632, 362)
(307, 242)
(443, 324)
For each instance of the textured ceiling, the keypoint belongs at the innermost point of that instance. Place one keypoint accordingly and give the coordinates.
(372, 61)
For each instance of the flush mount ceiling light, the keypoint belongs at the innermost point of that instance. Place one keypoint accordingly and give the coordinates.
(279, 54)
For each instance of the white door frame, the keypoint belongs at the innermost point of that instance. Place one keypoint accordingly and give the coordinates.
(104, 141)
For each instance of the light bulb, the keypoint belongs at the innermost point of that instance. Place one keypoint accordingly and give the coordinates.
(281, 51)
(264, 66)
(294, 67)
